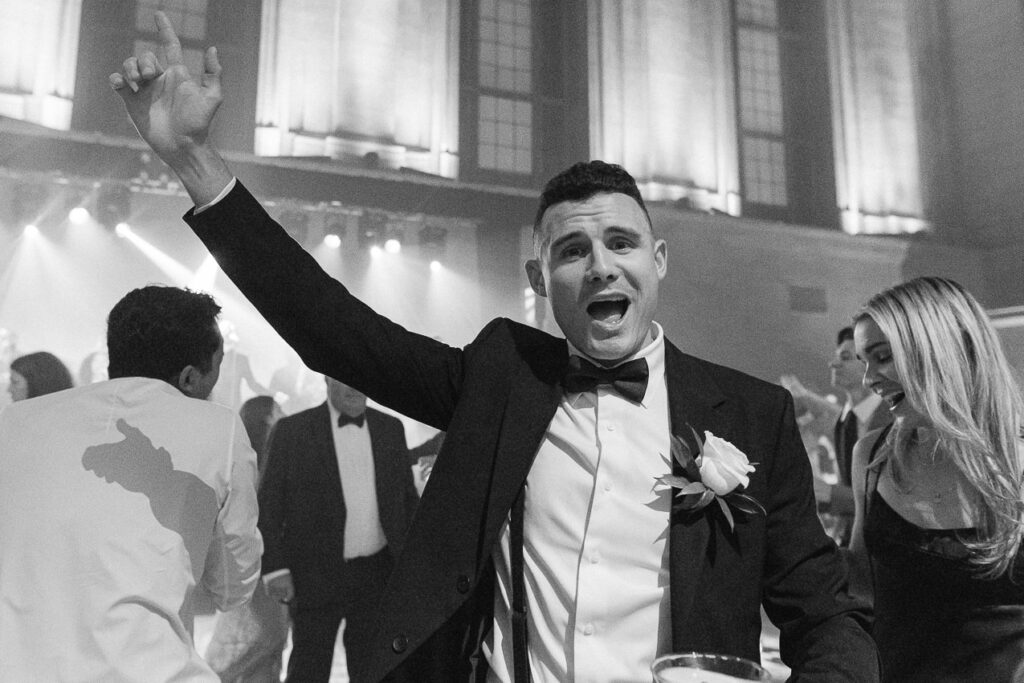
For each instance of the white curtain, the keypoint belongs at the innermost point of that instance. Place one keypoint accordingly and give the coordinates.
(356, 76)
(662, 97)
(38, 56)
(875, 116)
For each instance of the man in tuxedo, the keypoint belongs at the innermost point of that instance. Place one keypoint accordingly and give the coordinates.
(544, 546)
(335, 504)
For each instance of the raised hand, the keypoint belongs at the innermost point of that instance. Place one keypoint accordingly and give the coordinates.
(173, 113)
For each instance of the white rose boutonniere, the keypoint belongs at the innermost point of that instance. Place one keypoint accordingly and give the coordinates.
(719, 472)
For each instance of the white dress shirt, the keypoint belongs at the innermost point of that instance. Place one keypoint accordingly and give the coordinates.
(364, 534)
(116, 500)
(595, 540)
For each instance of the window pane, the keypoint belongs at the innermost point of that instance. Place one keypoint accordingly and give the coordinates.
(505, 45)
(760, 81)
(505, 135)
(764, 171)
(763, 12)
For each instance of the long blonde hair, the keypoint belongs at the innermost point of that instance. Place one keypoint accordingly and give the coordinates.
(954, 372)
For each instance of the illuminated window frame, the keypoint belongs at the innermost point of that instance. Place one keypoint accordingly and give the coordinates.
(504, 64)
(760, 103)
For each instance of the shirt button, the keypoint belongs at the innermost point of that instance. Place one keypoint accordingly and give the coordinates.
(462, 584)
(399, 644)
(595, 558)
(607, 486)
(610, 428)
(588, 630)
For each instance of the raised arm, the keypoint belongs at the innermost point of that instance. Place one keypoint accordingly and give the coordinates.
(173, 112)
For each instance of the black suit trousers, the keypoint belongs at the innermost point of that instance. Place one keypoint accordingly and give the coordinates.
(315, 628)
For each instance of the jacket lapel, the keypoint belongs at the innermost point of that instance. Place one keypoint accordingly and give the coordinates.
(532, 400)
(694, 401)
(323, 452)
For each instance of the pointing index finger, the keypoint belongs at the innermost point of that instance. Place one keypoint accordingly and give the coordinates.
(168, 39)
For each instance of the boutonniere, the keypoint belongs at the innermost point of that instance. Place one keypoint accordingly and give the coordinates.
(719, 472)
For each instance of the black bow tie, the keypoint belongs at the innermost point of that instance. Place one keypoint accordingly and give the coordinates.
(628, 379)
(349, 420)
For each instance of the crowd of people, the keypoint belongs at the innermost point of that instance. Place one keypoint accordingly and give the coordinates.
(597, 501)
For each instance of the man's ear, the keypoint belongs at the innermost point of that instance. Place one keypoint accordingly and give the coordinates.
(536, 277)
(188, 381)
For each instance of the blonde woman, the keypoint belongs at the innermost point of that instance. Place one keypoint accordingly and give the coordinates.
(939, 511)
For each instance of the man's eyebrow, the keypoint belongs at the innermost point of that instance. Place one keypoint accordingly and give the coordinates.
(563, 239)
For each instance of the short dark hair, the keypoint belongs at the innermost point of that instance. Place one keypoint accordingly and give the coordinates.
(845, 334)
(156, 331)
(582, 181)
(44, 373)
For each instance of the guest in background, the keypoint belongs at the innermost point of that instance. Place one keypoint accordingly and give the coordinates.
(335, 503)
(8, 352)
(235, 371)
(119, 499)
(37, 374)
(248, 642)
(939, 494)
(860, 412)
(423, 457)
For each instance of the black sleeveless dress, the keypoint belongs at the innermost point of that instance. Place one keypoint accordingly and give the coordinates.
(934, 619)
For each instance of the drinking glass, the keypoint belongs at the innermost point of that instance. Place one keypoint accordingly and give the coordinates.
(701, 667)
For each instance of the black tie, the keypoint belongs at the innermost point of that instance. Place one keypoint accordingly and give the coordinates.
(349, 420)
(628, 379)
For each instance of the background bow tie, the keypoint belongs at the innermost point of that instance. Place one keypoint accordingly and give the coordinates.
(349, 420)
(628, 379)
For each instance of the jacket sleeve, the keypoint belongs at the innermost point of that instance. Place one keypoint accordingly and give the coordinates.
(824, 631)
(332, 331)
(233, 561)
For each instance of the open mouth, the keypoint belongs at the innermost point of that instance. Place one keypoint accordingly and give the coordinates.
(895, 399)
(608, 311)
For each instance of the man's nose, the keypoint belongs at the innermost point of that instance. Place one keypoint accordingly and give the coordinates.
(602, 264)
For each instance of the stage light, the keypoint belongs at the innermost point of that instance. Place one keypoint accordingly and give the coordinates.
(31, 230)
(435, 266)
(334, 230)
(79, 215)
(372, 225)
(113, 206)
(394, 236)
(122, 230)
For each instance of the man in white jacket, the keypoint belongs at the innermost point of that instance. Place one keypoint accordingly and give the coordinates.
(118, 499)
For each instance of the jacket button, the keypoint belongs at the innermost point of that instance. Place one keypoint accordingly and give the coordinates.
(399, 644)
(462, 584)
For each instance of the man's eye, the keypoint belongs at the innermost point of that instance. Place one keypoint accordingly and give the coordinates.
(571, 253)
(621, 245)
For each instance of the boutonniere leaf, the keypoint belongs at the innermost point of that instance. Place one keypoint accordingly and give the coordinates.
(717, 472)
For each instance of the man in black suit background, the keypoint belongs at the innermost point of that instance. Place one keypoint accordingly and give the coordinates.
(335, 503)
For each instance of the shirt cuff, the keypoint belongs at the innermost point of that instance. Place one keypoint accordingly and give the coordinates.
(270, 576)
(223, 193)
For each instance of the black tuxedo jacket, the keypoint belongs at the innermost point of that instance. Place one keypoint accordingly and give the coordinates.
(302, 509)
(495, 398)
